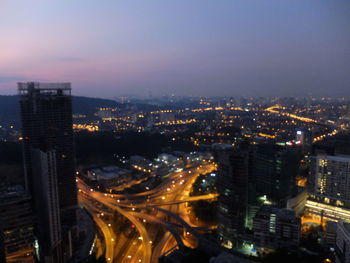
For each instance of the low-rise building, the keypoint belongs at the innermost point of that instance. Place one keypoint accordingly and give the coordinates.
(109, 176)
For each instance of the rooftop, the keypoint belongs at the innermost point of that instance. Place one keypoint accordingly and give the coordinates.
(61, 88)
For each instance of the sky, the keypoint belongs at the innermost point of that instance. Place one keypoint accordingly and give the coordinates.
(114, 48)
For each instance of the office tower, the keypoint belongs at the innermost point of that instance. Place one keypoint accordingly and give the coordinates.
(342, 244)
(275, 228)
(49, 161)
(233, 172)
(274, 171)
(17, 226)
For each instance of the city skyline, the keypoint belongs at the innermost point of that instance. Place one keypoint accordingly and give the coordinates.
(174, 131)
(187, 48)
(200, 179)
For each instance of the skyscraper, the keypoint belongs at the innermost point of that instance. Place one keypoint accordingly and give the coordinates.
(233, 176)
(49, 160)
(330, 178)
(274, 172)
(47, 205)
(248, 177)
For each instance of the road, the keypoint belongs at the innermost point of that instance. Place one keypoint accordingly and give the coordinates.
(335, 130)
(110, 202)
(109, 235)
(157, 232)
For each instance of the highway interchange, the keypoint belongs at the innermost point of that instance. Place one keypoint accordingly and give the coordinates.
(157, 219)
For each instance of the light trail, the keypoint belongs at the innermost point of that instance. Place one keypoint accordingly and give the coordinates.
(304, 119)
(110, 202)
(173, 192)
(108, 234)
(293, 116)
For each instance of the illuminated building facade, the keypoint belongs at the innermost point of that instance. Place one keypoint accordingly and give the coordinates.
(17, 227)
(329, 188)
(275, 228)
(303, 139)
(330, 178)
(300, 137)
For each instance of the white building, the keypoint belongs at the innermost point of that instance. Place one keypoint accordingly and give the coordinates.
(330, 177)
(109, 176)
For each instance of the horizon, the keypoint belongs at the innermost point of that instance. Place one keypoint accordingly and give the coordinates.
(145, 98)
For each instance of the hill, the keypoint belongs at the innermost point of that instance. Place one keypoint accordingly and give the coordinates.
(9, 107)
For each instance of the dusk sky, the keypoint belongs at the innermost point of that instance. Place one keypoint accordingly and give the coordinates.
(187, 47)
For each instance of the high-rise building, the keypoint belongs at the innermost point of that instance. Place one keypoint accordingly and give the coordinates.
(275, 228)
(233, 172)
(47, 205)
(49, 162)
(330, 178)
(329, 188)
(46, 111)
(249, 177)
(342, 244)
(303, 136)
(16, 226)
(303, 139)
(300, 137)
(274, 171)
